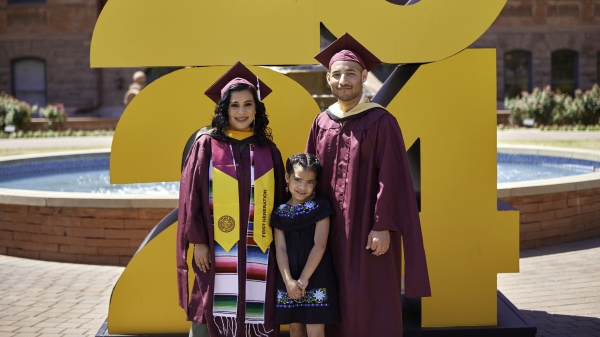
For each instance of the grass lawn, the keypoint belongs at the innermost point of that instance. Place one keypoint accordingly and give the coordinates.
(582, 144)
(12, 152)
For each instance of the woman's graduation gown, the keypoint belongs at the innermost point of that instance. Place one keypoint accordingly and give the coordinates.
(195, 226)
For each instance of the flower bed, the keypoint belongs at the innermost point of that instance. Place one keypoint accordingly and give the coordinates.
(546, 107)
(59, 133)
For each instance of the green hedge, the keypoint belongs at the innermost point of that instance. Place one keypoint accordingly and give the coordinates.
(18, 113)
(51, 133)
(547, 107)
(555, 127)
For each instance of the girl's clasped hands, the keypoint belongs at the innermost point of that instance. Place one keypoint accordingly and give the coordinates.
(296, 288)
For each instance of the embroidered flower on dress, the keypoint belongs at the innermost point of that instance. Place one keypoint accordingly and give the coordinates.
(319, 295)
(313, 298)
(290, 211)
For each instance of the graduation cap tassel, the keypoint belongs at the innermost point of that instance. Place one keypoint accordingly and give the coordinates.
(258, 89)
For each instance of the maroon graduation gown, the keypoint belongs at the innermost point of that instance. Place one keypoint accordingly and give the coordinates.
(367, 180)
(194, 226)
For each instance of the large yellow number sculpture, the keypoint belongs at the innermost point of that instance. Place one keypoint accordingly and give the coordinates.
(449, 104)
(208, 32)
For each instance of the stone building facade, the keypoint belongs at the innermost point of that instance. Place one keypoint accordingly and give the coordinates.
(44, 51)
(545, 42)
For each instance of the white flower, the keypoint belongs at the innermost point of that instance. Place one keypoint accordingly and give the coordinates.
(319, 295)
(282, 206)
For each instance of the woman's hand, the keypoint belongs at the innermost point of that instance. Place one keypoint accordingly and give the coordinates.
(293, 290)
(302, 284)
(202, 256)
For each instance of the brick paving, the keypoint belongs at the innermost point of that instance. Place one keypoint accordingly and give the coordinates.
(52, 299)
(558, 289)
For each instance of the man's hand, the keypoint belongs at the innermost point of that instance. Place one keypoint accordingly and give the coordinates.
(379, 242)
(202, 256)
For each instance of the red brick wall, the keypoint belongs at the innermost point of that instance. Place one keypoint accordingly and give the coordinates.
(556, 218)
(108, 236)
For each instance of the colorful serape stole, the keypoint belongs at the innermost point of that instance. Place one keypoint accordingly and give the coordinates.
(221, 175)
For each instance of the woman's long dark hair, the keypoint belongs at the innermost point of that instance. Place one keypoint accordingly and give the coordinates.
(221, 119)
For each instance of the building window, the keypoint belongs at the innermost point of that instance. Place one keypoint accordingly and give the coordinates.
(517, 73)
(565, 68)
(29, 80)
(26, 2)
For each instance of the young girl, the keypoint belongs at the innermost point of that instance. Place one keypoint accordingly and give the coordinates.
(306, 286)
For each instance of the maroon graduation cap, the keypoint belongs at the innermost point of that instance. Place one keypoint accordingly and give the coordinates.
(235, 75)
(346, 48)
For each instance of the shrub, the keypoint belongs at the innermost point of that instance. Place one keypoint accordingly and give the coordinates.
(55, 114)
(548, 108)
(18, 113)
(590, 102)
(3, 109)
(566, 110)
(15, 112)
(518, 110)
(538, 105)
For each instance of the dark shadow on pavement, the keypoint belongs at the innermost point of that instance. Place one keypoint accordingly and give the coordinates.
(557, 325)
(564, 248)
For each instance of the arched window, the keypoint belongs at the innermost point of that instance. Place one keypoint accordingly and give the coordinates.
(517, 72)
(598, 68)
(565, 68)
(29, 80)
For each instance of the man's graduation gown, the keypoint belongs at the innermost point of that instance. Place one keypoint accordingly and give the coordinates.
(367, 181)
(195, 227)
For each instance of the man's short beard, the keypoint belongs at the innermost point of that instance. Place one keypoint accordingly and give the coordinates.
(350, 96)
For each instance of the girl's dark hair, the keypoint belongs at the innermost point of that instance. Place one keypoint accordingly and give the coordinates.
(221, 119)
(305, 160)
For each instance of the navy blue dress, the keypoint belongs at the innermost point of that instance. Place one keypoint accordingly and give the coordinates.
(319, 305)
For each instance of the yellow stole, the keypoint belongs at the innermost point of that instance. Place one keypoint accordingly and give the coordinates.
(224, 187)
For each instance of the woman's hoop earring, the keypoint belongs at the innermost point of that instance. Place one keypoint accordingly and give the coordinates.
(287, 190)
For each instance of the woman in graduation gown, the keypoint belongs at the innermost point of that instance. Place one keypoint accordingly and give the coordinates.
(234, 263)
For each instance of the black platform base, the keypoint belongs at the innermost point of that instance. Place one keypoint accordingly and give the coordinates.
(511, 323)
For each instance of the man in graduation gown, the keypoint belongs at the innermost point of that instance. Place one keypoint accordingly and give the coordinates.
(367, 180)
